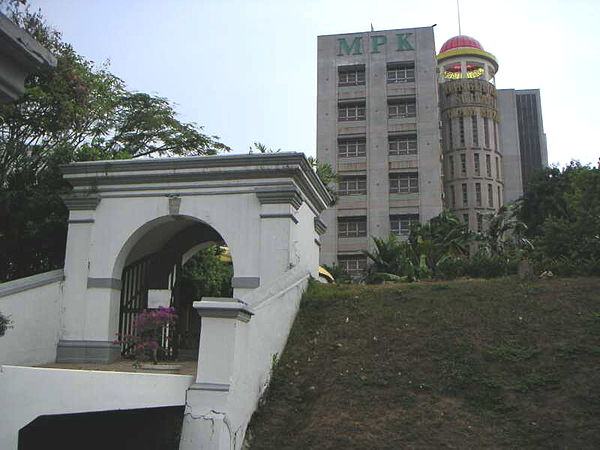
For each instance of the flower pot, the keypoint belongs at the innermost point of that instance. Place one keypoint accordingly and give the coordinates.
(159, 368)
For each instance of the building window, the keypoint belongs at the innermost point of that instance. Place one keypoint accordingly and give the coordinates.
(404, 183)
(478, 194)
(463, 164)
(354, 265)
(353, 185)
(452, 197)
(451, 164)
(488, 165)
(351, 111)
(486, 132)
(348, 148)
(476, 164)
(495, 136)
(401, 72)
(403, 144)
(401, 225)
(450, 138)
(465, 195)
(490, 196)
(461, 124)
(351, 75)
(475, 132)
(402, 108)
(479, 223)
(349, 227)
(497, 168)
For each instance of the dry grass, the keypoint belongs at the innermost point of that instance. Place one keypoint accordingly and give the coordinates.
(468, 365)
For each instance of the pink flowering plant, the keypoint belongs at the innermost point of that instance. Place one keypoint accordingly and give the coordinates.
(149, 326)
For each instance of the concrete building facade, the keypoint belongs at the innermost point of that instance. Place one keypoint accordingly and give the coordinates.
(410, 132)
(378, 127)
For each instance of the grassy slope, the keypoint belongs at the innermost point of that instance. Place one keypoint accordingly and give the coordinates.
(467, 364)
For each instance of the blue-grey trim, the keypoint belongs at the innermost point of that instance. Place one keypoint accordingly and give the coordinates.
(219, 387)
(245, 282)
(320, 226)
(104, 283)
(34, 281)
(279, 216)
(279, 195)
(80, 221)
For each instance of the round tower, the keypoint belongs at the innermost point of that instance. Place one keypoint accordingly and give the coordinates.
(472, 163)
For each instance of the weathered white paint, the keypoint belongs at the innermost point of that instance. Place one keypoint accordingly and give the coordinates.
(29, 392)
(33, 305)
(235, 362)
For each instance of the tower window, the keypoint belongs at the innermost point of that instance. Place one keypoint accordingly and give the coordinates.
(400, 225)
(400, 72)
(479, 223)
(478, 194)
(348, 148)
(351, 111)
(496, 136)
(450, 138)
(405, 144)
(451, 164)
(465, 196)
(477, 164)
(488, 165)
(402, 108)
(475, 132)
(486, 132)
(404, 183)
(499, 197)
(452, 197)
(490, 196)
(497, 168)
(351, 75)
(461, 124)
(356, 185)
(349, 227)
(463, 164)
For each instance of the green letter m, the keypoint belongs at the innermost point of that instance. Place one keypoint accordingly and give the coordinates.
(355, 48)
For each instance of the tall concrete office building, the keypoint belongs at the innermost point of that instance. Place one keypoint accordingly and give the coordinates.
(411, 132)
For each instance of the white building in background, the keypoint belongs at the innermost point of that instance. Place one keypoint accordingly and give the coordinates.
(411, 132)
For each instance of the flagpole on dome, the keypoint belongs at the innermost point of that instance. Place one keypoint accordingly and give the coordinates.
(458, 12)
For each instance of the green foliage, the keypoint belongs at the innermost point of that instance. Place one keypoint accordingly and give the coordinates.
(338, 273)
(562, 211)
(76, 112)
(5, 324)
(205, 275)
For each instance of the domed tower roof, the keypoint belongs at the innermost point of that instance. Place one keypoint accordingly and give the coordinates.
(459, 42)
(464, 47)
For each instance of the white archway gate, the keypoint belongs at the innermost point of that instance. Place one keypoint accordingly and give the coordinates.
(265, 207)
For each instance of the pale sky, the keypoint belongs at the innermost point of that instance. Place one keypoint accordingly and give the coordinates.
(247, 69)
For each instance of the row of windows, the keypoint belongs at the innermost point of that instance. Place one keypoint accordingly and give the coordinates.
(478, 196)
(401, 108)
(349, 227)
(398, 145)
(476, 165)
(474, 132)
(401, 72)
(400, 183)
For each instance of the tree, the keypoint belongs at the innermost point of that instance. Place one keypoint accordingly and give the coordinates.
(77, 112)
(505, 233)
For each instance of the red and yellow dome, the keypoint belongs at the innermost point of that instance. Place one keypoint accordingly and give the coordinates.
(460, 42)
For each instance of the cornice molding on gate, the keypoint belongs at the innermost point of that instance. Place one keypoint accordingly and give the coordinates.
(108, 175)
(278, 195)
(81, 203)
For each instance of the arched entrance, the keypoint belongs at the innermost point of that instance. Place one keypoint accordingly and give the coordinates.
(153, 276)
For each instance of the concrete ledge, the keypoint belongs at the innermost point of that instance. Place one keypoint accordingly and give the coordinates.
(320, 226)
(87, 352)
(223, 308)
(23, 284)
(283, 195)
(245, 282)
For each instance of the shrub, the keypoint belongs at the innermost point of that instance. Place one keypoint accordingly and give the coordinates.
(5, 324)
